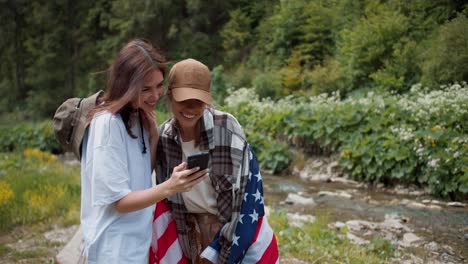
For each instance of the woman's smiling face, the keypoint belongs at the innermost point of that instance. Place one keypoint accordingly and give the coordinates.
(150, 92)
(187, 112)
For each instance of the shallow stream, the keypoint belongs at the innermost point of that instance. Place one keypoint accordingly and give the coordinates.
(445, 226)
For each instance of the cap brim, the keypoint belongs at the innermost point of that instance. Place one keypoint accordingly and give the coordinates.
(182, 94)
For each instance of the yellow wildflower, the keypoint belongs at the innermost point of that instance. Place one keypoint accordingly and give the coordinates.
(33, 153)
(5, 193)
(44, 200)
(346, 153)
(39, 155)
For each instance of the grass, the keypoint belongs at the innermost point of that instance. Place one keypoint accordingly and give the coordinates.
(27, 244)
(35, 187)
(316, 243)
(4, 249)
(27, 254)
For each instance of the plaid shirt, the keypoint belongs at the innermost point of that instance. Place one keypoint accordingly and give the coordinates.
(221, 136)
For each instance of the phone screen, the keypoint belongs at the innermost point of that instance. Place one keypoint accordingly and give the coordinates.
(198, 160)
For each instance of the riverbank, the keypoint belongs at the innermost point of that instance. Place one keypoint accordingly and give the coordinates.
(418, 230)
(325, 219)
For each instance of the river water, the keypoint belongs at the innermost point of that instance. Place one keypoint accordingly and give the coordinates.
(445, 226)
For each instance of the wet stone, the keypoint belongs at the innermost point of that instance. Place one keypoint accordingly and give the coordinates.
(297, 199)
(432, 246)
(410, 240)
(456, 204)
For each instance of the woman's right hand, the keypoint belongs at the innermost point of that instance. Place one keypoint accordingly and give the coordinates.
(182, 179)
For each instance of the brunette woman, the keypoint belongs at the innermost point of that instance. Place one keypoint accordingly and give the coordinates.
(118, 155)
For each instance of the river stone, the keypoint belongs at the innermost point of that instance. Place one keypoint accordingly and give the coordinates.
(356, 240)
(300, 200)
(416, 205)
(449, 250)
(332, 168)
(413, 260)
(394, 223)
(315, 163)
(360, 225)
(410, 239)
(416, 193)
(449, 259)
(456, 204)
(314, 176)
(432, 246)
(434, 207)
(344, 181)
(324, 177)
(336, 194)
(435, 202)
(299, 220)
(337, 225)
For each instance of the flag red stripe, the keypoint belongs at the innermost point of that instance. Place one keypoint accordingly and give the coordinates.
(271, 253)
(166, 240)
(161, 208)
(152, 258)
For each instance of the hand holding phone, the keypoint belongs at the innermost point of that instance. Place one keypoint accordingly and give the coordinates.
(198, 160)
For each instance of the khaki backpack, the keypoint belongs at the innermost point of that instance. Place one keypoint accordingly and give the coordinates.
(70, 122)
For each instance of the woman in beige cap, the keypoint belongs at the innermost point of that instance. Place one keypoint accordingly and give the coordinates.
(214, 204)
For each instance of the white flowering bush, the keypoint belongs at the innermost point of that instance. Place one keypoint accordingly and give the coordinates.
(420, 137)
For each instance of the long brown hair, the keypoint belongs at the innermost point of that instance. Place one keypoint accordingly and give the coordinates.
(126, 76)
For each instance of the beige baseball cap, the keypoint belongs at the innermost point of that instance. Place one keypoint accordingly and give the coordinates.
(190, 79)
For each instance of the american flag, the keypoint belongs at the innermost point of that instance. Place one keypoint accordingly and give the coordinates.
(254, 240)
(165, 247)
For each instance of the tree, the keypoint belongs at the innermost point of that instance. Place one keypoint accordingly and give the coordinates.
(236, 36)
(446, 60)
(365, 49)
(13, 53)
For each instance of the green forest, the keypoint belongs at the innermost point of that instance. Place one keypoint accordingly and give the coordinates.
(52, 50)
(379, 84)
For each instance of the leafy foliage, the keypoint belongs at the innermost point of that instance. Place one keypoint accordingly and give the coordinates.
(29, 135)
(417, 138)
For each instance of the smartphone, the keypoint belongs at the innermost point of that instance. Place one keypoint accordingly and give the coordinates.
(198, 160)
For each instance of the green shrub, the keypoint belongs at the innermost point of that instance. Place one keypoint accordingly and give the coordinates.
(268, 84)
(21, 136)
